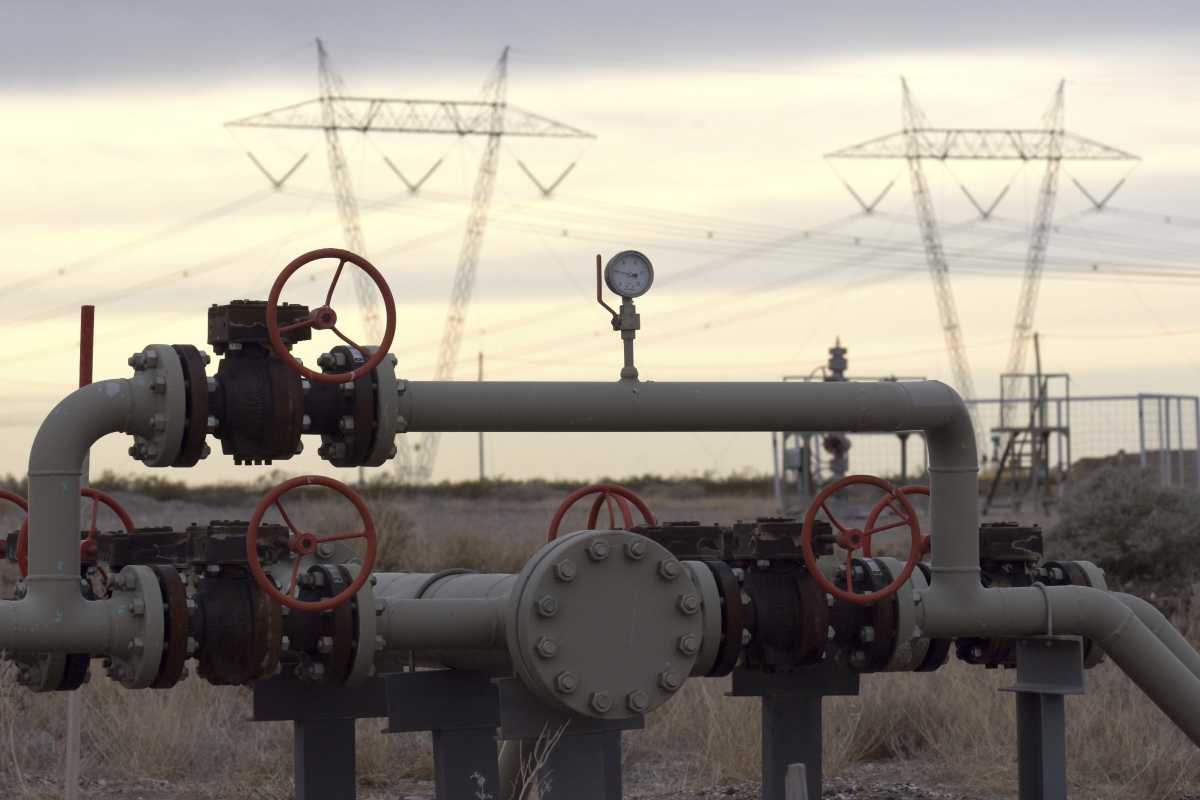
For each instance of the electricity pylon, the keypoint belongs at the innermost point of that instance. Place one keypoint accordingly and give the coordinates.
(492, 117)
(919, 141)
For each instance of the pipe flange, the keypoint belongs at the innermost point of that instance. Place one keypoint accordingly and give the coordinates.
(610, 649)
(366, 643)
(387, 412)
(175, 619)
(158, 375)
(911, 646)
(41, 672)
(708, 646)
(136, 664)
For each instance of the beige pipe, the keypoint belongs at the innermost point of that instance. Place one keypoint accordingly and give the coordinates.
(53, 615)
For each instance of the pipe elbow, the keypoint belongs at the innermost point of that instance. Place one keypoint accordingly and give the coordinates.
(74, 425)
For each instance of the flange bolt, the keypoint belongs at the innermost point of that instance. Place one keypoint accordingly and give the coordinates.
(159, 386)
(637, 701)
(669, 681)
(668, 569)
(600, 702)
(635, 550)
(598, 550)
(138, 361)
(547, 647)
(325, 360)
(566, 682)
(547, 605)
(689, 603)
(688, 644)
(565, 570)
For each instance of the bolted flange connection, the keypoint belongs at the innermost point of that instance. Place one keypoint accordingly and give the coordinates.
(160, 438)
(605, 623)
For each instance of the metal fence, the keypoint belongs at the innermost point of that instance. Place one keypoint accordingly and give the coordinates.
(1160, 432)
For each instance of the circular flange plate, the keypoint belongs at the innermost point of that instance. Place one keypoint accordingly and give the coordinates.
(911, 647)
(162, 374)
(596, 623)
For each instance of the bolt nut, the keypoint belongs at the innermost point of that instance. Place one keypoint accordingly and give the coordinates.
(547, 605)
(747, 637)
(566, 682)
(669, 681)
(212, 424)
(688, 644)
(830, 633)
(598, 550)
(689, 603)
(637, 701)
(635, 550)
(159, 386)
(137, 607)
(325, 360)
(151, 358)
(858, 659)
(325, 644)
(136, 644)
(325, 549)
(192, 646)
(866, 635)
(566, 570)
(305, 422)
(668, 569)
(600, 702)
(137, 450)
(158, 422)
(546, 647)
(205, 452)
(346, 424)
(138, 361)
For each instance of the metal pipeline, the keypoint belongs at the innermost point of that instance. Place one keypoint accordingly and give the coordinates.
(450, 619)
(53, 615)
(957, 604)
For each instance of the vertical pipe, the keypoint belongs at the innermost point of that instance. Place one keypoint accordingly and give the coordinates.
(1164, 439)
(1196, 408)
(482, 473)
(1141, 414)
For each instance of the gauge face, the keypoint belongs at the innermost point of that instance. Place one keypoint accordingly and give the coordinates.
(629, 274)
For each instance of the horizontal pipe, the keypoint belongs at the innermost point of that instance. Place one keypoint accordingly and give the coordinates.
(1078, 611)
(1161, 627)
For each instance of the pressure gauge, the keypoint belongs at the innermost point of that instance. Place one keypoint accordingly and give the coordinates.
(629, 274)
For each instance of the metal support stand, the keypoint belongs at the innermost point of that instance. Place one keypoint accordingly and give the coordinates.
(791, 720)
(323, 719)
(584, 763)
(1048, 669)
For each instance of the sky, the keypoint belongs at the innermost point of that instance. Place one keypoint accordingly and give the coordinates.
(124, 189)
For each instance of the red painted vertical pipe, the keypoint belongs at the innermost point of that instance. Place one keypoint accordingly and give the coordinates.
(87, 333)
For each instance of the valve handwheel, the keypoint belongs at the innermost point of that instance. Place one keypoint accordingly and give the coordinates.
(880, 507)
(87, 546)
(605, 494)
(17, 501)
(325, 318)
(304, 543)
(851, 539)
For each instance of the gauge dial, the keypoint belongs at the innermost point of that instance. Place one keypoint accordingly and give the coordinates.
(629, 274)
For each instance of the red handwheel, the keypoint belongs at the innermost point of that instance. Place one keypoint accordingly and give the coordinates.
(605, 494)
(851, 539)
(20, 503)
(880, 507)
(302, 543)
(325, 318)
(87, 546)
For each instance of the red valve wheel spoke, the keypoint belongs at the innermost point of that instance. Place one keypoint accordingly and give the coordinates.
(886, 504)
(604, 490)
(325, 317)
(853, 539)
(301, 544)
(833, 519)
(19, 502)
(870, 531)
(333, 284)
(341, 537)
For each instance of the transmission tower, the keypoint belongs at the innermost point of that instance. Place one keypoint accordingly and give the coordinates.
(491, 117)
(918, 141)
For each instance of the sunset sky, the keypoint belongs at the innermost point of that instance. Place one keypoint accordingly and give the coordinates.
(123, 188)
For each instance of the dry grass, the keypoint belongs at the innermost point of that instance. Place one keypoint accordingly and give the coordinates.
(951, 728)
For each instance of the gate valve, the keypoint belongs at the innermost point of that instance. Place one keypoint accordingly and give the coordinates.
(325, 318)
(605, 494)
(20, 503)
(880, 507)
(87, 546)
(303, 543)
(851, 539)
